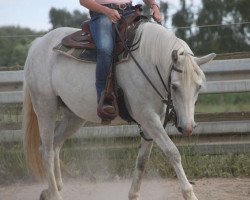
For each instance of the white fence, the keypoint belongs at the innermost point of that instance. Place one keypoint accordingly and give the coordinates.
(223, 76)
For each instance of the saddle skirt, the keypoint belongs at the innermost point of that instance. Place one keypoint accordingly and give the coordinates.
(81, 47)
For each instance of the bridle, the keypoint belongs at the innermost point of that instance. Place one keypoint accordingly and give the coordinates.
(170, 114)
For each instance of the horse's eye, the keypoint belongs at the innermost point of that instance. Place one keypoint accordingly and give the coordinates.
(198, 87)
(174, 87)
(182, 53)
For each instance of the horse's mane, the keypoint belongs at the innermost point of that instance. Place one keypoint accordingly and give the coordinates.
(192, 71)
(157, 44)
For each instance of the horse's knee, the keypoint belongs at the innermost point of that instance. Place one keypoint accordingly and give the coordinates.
(141, 163)
(143, 156)
(174, 155)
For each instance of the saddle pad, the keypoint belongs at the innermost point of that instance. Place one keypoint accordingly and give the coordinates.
(86, 55)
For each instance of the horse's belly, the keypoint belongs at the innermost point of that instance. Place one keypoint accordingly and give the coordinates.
(74, 82)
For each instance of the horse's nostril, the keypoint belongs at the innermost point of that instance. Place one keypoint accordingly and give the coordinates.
(180, 129)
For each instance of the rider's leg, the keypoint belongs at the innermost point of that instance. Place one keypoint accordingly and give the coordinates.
(102, 33)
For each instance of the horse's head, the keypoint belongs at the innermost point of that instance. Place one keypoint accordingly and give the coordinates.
(187, 79)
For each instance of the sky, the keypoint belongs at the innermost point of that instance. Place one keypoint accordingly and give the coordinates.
(34, 14)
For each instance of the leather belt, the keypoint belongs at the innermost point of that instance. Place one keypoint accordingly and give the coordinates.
(120, 6)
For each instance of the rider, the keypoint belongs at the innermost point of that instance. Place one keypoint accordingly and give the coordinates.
(103, 14)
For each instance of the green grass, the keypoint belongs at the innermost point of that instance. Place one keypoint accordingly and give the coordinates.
(231, 102)
(106, 163)
(204, 108)
(12, 164)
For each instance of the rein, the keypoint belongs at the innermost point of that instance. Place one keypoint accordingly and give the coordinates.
(170, 113)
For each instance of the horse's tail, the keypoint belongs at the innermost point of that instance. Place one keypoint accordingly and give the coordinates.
(31, 137)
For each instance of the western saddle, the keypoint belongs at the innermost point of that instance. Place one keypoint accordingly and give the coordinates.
(82, 40)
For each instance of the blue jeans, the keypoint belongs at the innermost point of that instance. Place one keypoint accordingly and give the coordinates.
(102, 34)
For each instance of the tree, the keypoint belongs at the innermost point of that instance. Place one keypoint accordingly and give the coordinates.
(217, 38)
(227, 38)
(183, 18)
(15, 41)
(14, 47)
(239, 10)
(163, 10)
(61, 17)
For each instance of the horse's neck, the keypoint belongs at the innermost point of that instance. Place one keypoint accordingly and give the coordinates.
(156, 46)
(135, 78)
(155, 50)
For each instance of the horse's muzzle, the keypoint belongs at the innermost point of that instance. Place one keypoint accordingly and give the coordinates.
(186, 130)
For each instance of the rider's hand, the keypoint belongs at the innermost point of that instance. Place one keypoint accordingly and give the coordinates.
(155, 12)
(113, 15)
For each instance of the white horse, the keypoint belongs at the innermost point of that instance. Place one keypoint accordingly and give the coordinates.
(51, 77)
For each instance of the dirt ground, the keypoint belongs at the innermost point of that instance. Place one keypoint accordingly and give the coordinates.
(77, 189)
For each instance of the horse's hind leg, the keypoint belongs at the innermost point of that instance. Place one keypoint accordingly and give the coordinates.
(68, 126)
(142, 159)
(46, 111)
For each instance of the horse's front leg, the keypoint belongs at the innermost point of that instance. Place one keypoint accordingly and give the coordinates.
(156, 131)
(142, 159)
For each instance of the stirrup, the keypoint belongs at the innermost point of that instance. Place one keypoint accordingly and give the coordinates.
(102, 113)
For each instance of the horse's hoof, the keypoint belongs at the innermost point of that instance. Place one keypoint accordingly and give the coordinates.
(134, 197)
(59, 185)
(45, 195)
(190, 196)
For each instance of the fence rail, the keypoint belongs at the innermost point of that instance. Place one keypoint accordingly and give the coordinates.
(223, 76)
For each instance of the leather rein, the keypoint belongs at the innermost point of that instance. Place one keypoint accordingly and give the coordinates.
(170, 114)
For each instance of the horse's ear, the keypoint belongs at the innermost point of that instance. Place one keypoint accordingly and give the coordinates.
(174, 56)
(204, 59)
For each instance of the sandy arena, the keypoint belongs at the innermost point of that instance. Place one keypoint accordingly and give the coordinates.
(205, 189)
